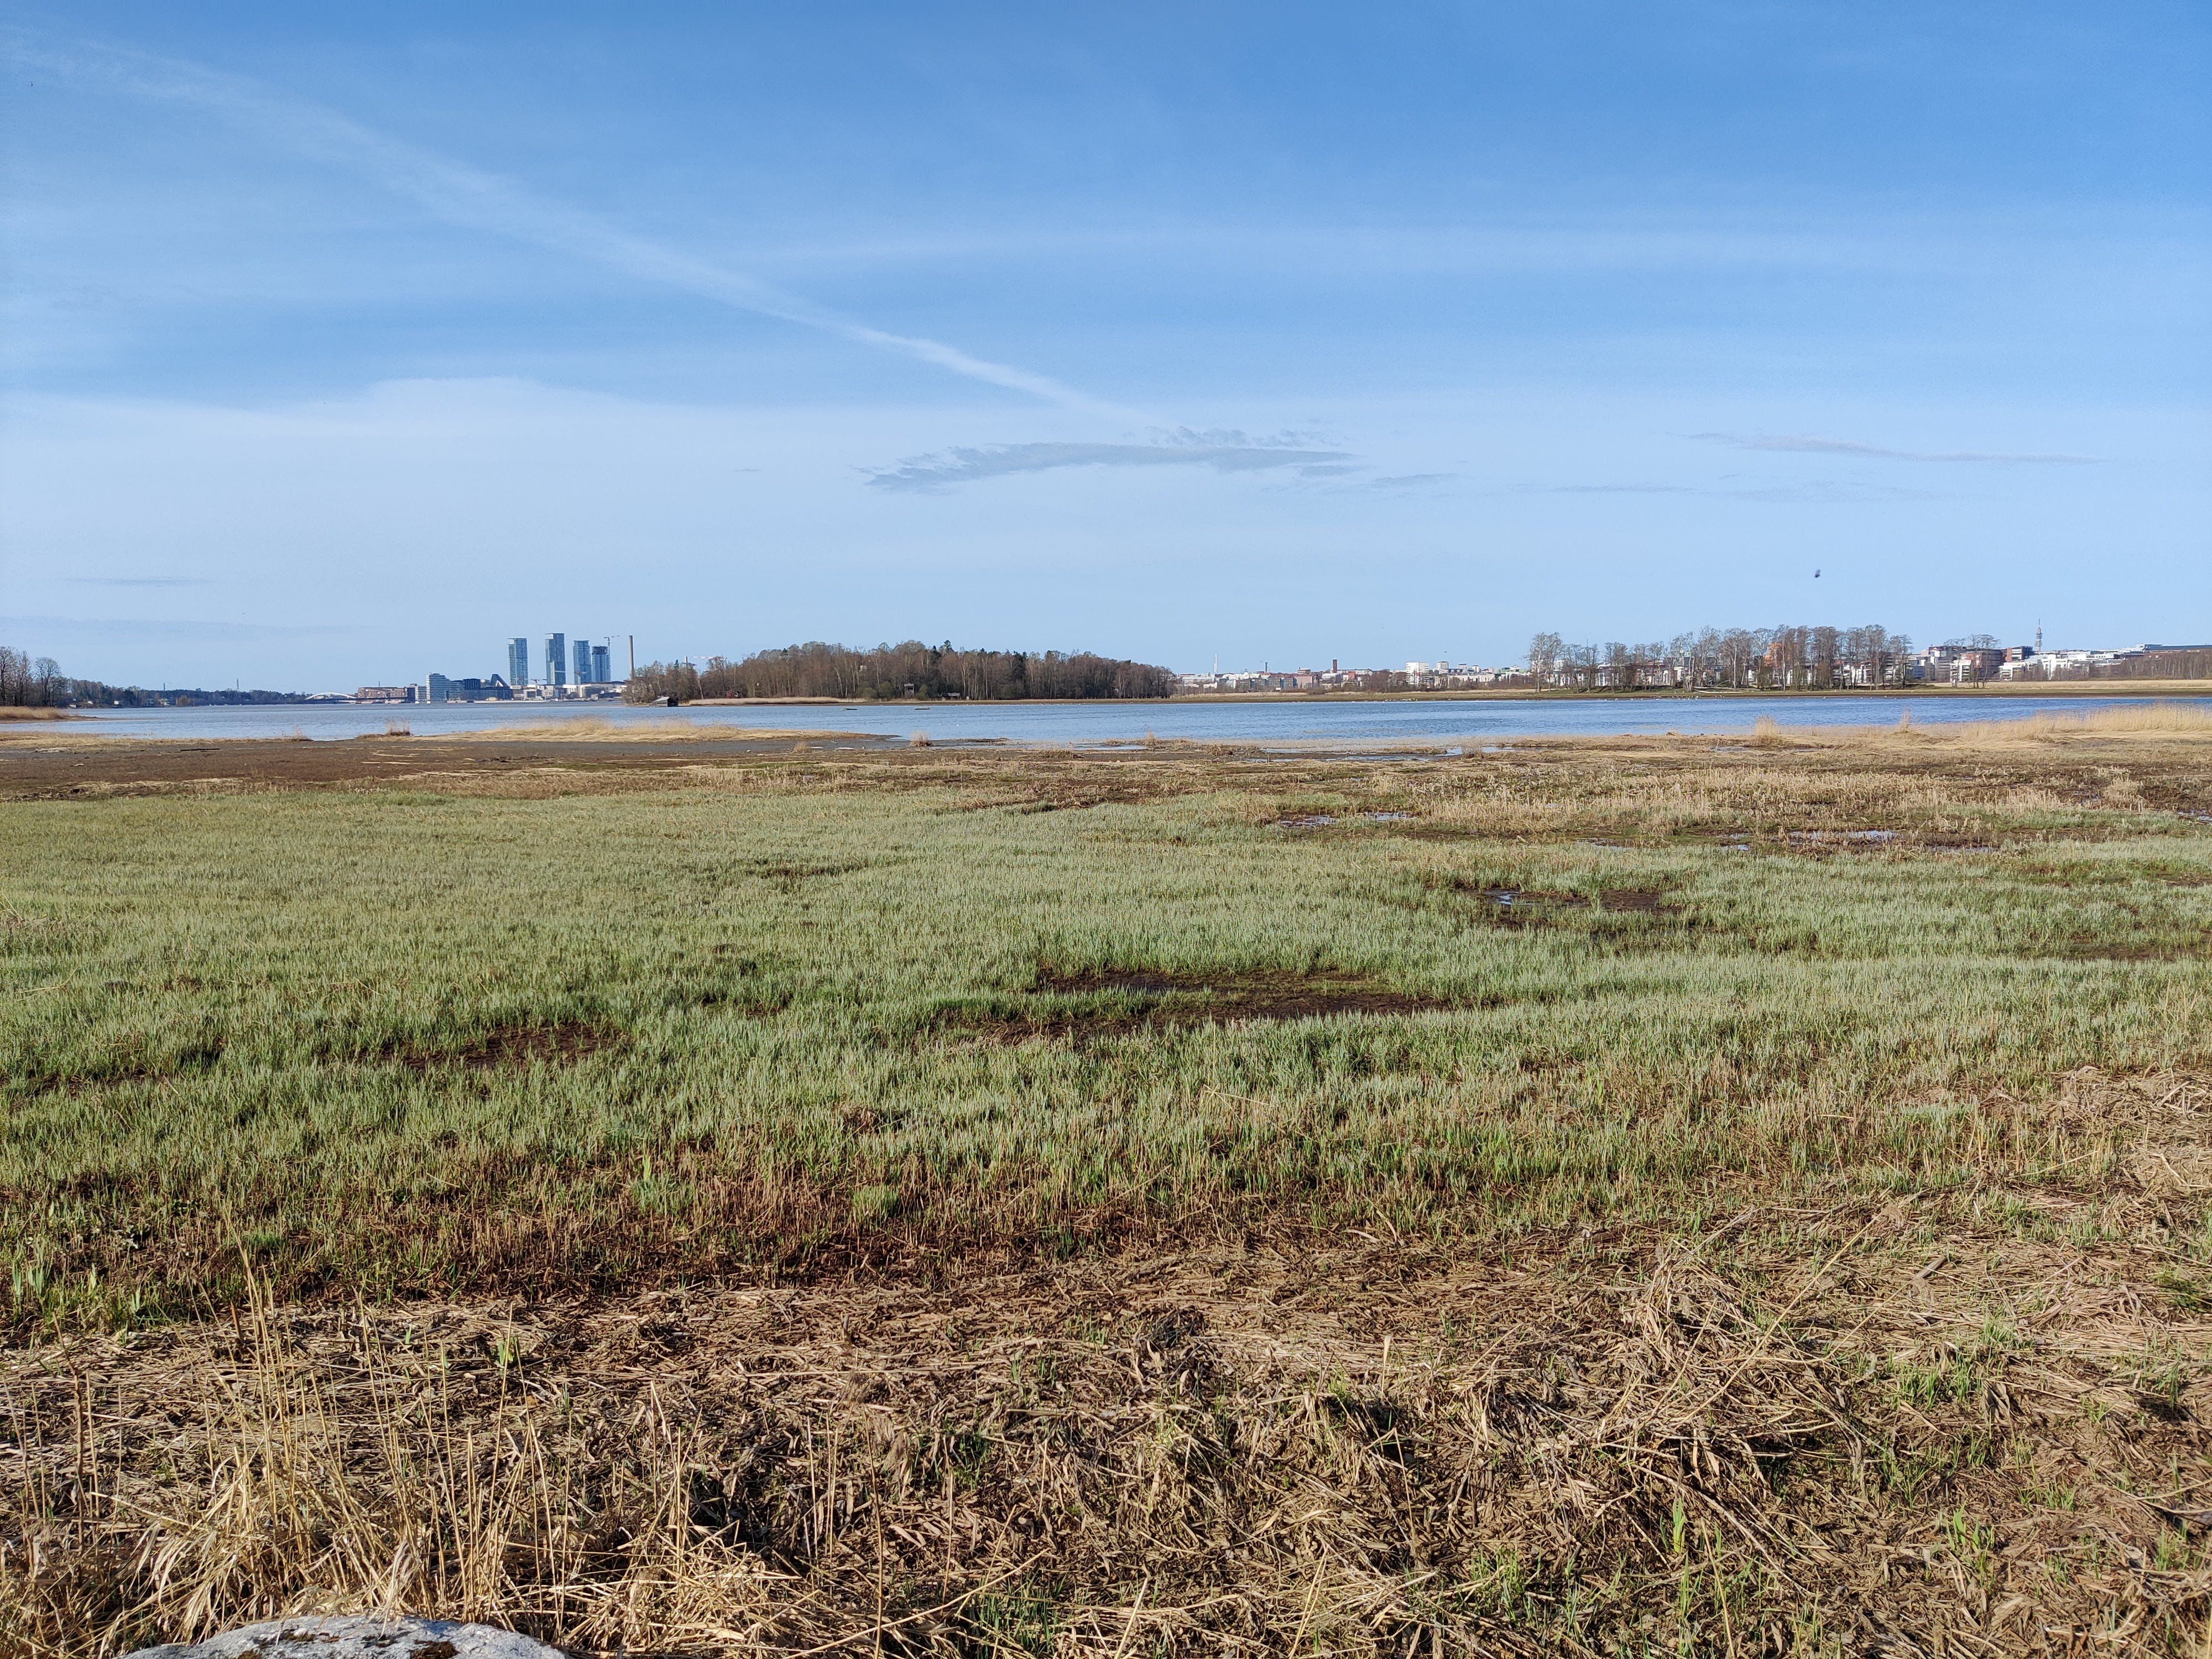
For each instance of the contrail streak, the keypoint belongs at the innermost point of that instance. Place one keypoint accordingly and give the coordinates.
(467, 196)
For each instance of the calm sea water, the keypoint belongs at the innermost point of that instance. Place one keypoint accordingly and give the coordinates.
(1121, 722)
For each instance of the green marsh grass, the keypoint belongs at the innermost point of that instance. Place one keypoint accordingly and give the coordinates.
(414, 1040)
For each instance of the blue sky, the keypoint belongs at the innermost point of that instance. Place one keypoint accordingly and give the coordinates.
(341, 344)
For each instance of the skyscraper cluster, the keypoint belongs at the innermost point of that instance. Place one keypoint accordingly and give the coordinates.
(567, 672)
(564, 663)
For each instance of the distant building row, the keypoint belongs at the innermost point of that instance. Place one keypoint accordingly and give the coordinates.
(1779, 662)
(1970, 664)
(1415, 676)
(1784, 664)
(2084, 664)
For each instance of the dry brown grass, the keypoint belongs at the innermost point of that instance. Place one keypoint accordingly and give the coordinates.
(2180, 719)
(1974, 1426)
(586, 729)
(2169, 720)
(1558, 781)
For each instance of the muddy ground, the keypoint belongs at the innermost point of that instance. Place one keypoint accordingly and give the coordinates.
(46, 764)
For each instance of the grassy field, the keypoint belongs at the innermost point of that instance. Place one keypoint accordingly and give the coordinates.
(1631, 1189)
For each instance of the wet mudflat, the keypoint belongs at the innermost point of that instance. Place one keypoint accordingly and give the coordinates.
(48, 764)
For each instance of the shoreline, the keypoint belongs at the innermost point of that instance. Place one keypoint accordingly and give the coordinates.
(43, 764)
(2153, 689)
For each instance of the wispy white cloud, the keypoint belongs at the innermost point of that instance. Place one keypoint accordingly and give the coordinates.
(145, 627)
(1790, 444)
(468, 196)
(1829, 490)
(1223, 452)
(140, 581)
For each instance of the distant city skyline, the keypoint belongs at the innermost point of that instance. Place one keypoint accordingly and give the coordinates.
(1281, 334)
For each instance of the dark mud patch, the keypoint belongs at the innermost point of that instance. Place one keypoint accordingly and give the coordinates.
(748, 1001)
(1330, 820)
(791, 876)
(517, 1047)
(17, 929)
(1635, 900)
(1838, 841)
(1520, 907)
(1090, 1004)
(128, 1066)
(2129, 951)
(1818, 842)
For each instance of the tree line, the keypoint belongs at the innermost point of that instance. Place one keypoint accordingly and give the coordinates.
(28, 683)
(38, 682)
(908, 670)
(1786, 658)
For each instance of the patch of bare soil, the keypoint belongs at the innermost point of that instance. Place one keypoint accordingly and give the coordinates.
(1102, 1002)
(1865, 1426)
(2095, 949)
(127, 1065)
(791, 877)
(50, 767)
(517, 1047)
(1518, 907)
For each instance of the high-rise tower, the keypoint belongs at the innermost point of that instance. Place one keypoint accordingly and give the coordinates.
(556, 664)
(603, 668)
(518, 663)
(583, 662)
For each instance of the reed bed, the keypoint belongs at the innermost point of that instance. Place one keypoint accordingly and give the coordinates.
(2157, 719)
(587, 729)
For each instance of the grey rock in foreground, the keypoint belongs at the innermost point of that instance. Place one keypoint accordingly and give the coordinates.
(357, 1638)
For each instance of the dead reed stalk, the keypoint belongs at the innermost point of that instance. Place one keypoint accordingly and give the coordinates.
(1757, 1438)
